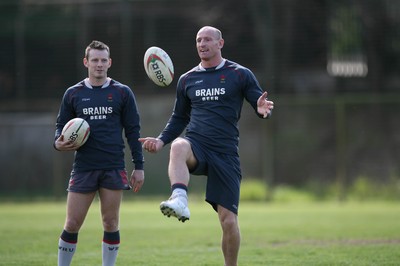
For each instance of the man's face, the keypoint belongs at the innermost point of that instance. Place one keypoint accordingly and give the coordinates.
(208, 44)
(97, 63)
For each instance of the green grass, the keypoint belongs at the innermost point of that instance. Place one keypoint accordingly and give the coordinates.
(272, 234)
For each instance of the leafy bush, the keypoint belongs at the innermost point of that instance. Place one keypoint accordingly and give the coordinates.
(254, 190)
(362, 189)
(284, 193)
(366, 189)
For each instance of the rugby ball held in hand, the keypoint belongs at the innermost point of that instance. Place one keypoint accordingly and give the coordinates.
(76, 130)
(158, 66)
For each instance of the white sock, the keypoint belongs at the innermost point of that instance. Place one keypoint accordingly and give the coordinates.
(65, 252)
(109, 253)
(179, 192)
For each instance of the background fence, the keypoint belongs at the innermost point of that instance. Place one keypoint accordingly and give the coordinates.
(308, 142)
(330, 66)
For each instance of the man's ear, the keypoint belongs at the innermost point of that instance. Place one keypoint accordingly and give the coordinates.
(85, 62)
(221, 43)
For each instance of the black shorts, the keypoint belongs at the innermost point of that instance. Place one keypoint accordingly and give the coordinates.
(90, 181)
(223, 176)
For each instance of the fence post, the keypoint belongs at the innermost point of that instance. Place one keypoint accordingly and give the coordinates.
(340, 117)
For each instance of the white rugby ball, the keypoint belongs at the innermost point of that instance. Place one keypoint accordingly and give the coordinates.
(158, 66)
(76, 130)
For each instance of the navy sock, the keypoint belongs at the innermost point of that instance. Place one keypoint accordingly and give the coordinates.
(66, 247)
(179, 185)
(69, 237)
(110, 247)
(111, 238)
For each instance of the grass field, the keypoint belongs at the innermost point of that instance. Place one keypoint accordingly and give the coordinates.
(272, 234)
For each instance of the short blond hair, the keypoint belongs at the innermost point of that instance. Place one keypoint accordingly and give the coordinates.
(97, 45)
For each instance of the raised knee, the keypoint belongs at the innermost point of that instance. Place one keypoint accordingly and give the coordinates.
(180, 146)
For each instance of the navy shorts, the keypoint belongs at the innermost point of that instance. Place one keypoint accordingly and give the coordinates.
(90, 181)
(223, 176)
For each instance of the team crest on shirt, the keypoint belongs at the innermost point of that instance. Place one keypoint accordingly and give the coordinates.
(222, 79)
(110, 98)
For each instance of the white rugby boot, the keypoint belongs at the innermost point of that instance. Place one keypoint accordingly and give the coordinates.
(176, 206)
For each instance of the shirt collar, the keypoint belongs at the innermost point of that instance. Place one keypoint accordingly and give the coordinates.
(201, 68)
(106, 84)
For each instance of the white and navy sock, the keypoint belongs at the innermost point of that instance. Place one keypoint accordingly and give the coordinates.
(66, 247)
(179, 190)
(110, 247)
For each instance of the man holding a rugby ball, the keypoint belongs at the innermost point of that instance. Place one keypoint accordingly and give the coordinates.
(99, 166)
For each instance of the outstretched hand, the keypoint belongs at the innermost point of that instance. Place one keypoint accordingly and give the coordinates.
(151, 144)
(264, 106)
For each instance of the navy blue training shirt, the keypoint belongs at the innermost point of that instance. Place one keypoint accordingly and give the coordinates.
(209, 103)
(110, 110)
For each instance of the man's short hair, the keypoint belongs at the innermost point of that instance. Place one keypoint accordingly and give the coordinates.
(98, 45)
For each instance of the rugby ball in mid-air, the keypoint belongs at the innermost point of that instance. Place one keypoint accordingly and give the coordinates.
(158, 66)
(76, 130)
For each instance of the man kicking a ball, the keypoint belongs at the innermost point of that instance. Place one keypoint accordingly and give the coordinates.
(208, 104)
